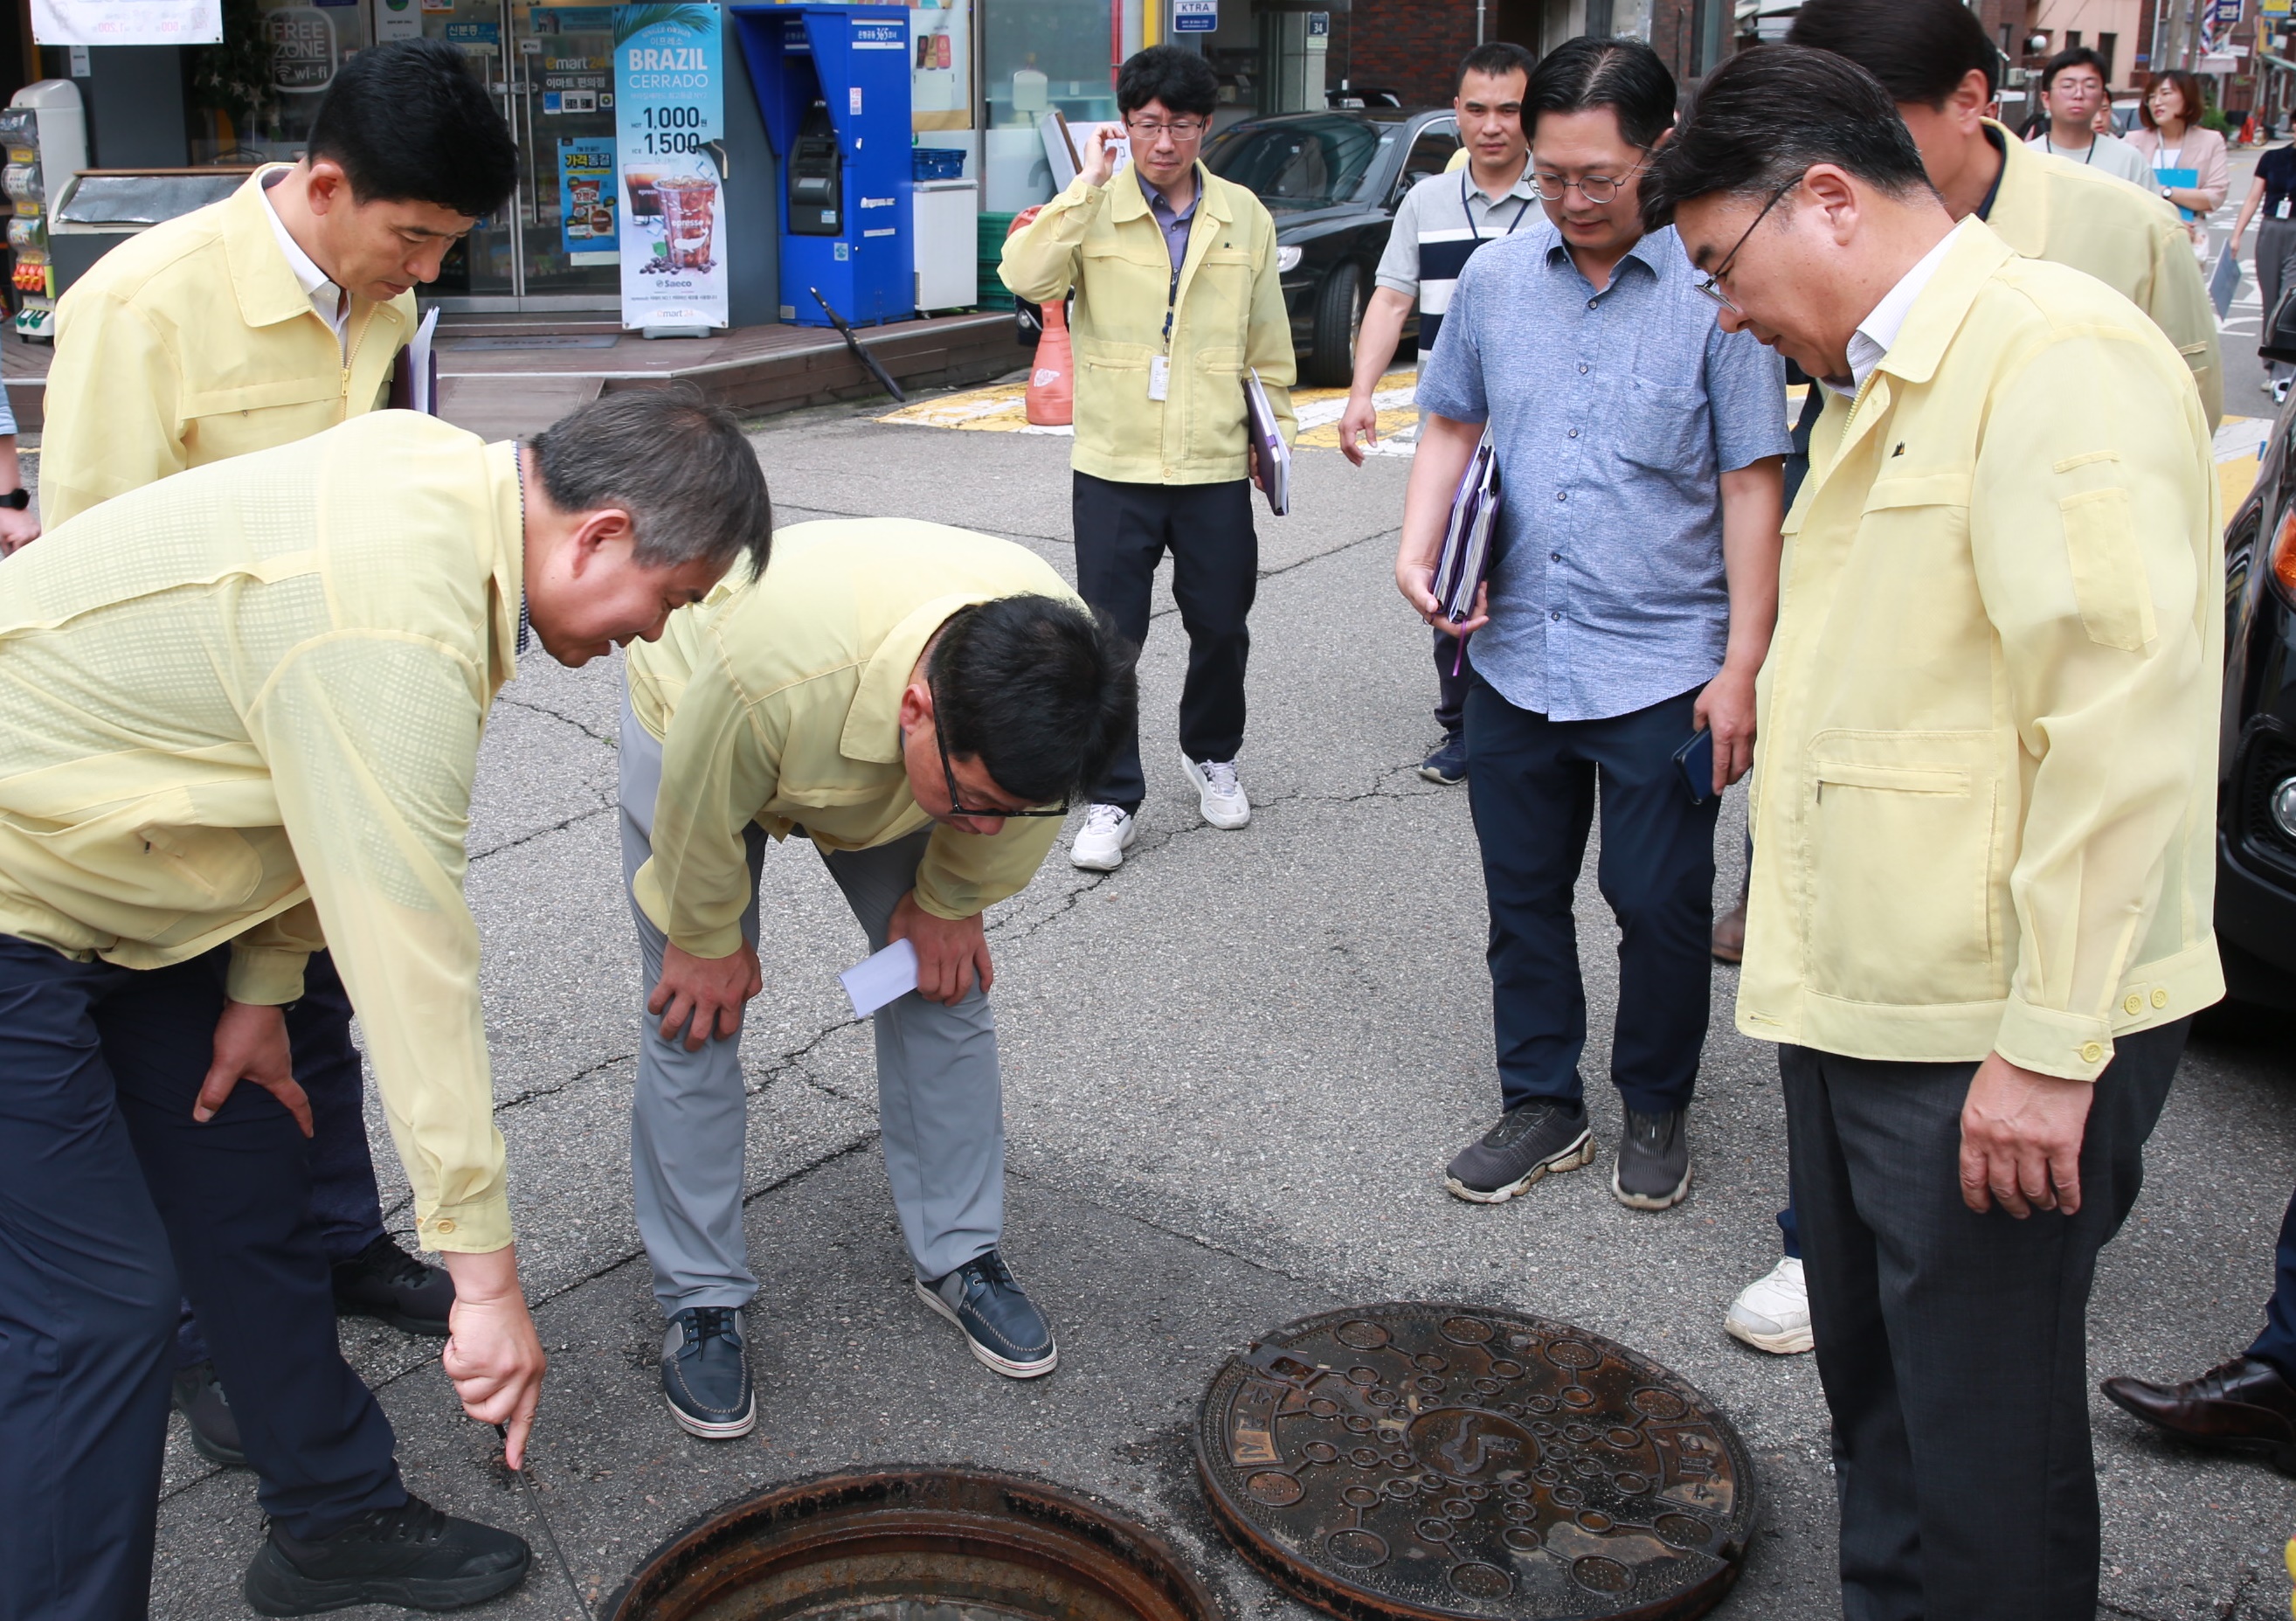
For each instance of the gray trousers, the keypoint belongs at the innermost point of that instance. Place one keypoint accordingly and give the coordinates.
(2275, 258)
(1954, 1347)
(940, 1100)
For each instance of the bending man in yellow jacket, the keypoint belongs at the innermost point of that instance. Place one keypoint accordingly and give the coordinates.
(921, 702)
(257, 322)
(240, 714)
(1984, 815)
(1179, 301)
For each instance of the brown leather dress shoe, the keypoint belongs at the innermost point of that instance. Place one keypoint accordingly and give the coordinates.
(2244, 1405)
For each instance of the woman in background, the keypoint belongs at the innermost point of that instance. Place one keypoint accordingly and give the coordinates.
(2188, 161)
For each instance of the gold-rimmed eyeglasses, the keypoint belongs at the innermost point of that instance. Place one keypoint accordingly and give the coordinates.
(1712, 285)
(1596, 189)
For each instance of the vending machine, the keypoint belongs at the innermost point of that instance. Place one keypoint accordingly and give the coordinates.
(833, 82)
(44, 130)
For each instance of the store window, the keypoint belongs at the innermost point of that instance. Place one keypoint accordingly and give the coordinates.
(1040, 56)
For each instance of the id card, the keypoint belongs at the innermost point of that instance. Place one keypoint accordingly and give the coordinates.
(2281, 213)
(1159, 376)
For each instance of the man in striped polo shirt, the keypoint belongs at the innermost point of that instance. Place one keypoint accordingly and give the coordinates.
(1441, 221)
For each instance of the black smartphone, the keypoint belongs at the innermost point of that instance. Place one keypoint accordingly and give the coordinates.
(1696, 760)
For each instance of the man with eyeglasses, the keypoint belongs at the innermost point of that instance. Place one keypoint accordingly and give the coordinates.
(1441, 222)
(1629, 608)
(919, 702)
(1984, 818)
(1178, 301)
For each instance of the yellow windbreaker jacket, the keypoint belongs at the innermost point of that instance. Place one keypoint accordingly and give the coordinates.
(780, 703)
(2054, 209)
(243, 705)
(1985, 811)
(1227, 319)
(192, 342)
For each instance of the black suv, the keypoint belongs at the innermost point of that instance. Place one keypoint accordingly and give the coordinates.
(1331, 180)
(2256, 770)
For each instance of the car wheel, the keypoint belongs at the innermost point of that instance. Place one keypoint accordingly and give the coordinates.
(1338, 313)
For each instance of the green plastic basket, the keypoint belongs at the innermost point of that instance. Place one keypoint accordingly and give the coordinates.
(992, 231)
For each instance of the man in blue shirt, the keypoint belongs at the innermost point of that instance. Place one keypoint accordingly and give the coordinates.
(1629, 606)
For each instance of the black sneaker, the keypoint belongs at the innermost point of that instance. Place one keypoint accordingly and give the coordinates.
(415, 1557)
(1654, 1168)
(383, 1280)
(1000, 1322)
(1448, 763)
(1545, 1134)
(215, 1431)
(705, 1374)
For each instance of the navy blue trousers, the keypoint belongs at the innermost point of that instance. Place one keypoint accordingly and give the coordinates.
(105, 1180)
(345, 1208)
(1534, 793)
(2278, 1343)
(1451, 678)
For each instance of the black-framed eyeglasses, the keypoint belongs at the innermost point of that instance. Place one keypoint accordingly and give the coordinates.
(1596, 189)
(1712, 285)
(1182, 130)
(957, 807)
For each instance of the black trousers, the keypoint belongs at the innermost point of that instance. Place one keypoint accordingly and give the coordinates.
(1953, 1346)
(105, 1180)
(345, 1203)
(1122, 532)
(1533, 792)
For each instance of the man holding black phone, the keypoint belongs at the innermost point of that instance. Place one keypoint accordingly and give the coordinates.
(1628, 606)
(1178, 301)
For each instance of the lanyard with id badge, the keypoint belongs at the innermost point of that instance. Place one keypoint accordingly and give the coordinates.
(1160, 366)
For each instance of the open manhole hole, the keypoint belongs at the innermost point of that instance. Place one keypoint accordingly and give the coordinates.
(915, 1546)
(1457, 1463)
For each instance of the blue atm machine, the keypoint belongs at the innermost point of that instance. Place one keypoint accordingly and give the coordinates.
(832, 82)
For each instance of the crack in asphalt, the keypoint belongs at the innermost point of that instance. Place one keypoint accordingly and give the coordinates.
(527, 839)
(583, 727)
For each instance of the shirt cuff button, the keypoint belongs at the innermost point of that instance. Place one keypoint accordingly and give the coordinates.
(2091, 1051)
(448, 1225)
(2160, 999)
(2135, 1004)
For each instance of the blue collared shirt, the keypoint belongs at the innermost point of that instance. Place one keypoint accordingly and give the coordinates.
(1614, 414)
(1174, 226)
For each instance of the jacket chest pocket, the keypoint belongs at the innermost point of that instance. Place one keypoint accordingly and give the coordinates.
(1219, 294)
(223, 423)
(1902, 902)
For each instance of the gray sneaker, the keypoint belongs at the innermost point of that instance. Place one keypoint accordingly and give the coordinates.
(705, 1374)
(1545, 1135)
(1654, 1168)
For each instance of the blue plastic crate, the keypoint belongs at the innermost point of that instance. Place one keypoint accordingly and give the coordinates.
(937, 162)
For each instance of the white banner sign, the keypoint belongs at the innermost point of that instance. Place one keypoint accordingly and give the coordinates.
(126, 23)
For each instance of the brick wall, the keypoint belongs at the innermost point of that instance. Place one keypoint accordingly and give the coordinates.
(1410, 46)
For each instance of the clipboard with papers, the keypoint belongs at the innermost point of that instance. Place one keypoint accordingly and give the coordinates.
(1267, 435)
(414, 374)
(1466, 554)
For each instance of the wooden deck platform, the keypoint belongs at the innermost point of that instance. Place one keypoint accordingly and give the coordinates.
(507, 376)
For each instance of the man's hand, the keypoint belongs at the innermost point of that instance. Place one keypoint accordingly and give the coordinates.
(1100, 153)
(703, 995)
(1361, 416)
(2020, 1139)
(948, 954)
(1417, 581)
(492, 1354)
(18, 528)
(1726, 707)
(1252, 464)
(251, 1044)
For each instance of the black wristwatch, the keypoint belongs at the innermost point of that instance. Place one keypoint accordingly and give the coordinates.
(16, 500)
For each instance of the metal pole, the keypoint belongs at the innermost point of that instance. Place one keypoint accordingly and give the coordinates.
(1479, 22)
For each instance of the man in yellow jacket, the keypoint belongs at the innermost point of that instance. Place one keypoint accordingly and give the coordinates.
(919, 702)
(1983, 818)
(254, 323)
(240, 714)
(1178, 302)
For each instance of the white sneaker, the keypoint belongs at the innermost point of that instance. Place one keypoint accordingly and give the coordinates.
(1772, 1313)
(1107, 832)
(1218, 794)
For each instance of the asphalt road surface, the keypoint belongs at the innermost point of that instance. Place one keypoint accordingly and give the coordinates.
(1234, 1070)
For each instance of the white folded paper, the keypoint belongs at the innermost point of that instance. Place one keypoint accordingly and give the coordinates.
(875, 981)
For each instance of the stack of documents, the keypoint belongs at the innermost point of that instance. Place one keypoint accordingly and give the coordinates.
(1466, 554)
(1274, 456)
(414, 378)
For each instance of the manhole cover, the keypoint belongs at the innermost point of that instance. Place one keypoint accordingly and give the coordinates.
(914, 1545)
(1446, 1460)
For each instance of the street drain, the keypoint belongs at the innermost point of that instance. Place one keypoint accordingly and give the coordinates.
(915, 1546)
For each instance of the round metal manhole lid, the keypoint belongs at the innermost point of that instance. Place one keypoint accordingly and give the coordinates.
(1457, 1461)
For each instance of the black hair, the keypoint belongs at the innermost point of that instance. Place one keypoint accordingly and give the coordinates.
(1176, 77)
(681, 468)
(1496, 57)
(2079, 56)
(1768, 114)
(1624, 75)
(1921, 50)
(1038, 690)
(410, 122)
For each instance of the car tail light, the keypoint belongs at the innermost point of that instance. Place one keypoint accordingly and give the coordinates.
(2284, 554)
